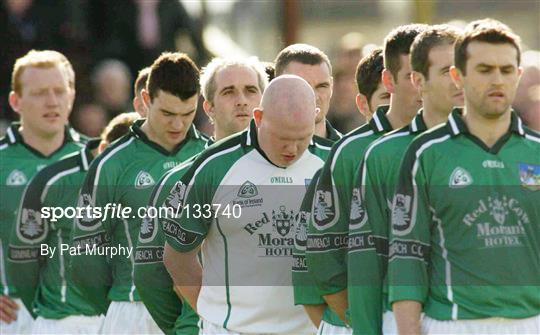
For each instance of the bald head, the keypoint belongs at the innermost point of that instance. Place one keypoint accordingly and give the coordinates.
(286, 119)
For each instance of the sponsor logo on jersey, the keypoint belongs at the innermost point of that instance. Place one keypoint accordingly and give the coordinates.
(144, 180)
(529, 176)
(175, 198)
(323, 208)
(148, 227)
(493, 164)
(358, 214)
(16, 178)
(181, 235)
(499, 221)
(282, 220)
(401, 213)
(300, 236)
(31, 228)
(460, 178)
(248, 190)
(281, 180)
(170, 165)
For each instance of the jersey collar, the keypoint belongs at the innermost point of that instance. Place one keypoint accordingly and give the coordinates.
(135, 129)
(457, 126)
(418, 125)
(333, 136)
(379, 123)
(86, 153)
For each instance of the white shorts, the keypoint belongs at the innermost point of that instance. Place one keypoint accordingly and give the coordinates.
(74, 324)
(326, 328)
(23, 324)
(124, 317)
(483, 326)
(207, 328)
(389, 325)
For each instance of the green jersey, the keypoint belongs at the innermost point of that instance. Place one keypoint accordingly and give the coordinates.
(118, 185)
(244, 208)
(18, 164)
(465, 239)
(39, 245)
(370, 219)
(326, 252)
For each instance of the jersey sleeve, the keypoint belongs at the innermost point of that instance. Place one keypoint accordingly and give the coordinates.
(152, 280)
(305, 290)
(326, 253)
(90, 271)
(410, 233)
(27, 235)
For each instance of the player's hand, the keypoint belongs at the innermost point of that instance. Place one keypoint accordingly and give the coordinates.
(8, 309)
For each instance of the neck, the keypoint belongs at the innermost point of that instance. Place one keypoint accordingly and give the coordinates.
(398, 115)
(150, 134)
(94, 152)
(219, 134)
(433, 116)
(320, 129)
(487, 130)
(46, 145)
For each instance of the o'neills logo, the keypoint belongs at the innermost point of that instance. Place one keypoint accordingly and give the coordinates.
(499, 221)
(275, 239)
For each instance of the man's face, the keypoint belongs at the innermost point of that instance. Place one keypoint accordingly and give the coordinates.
(439, 87)
(406, 95)
(169, 118)
(379, 97)
(492, 78)
(237, 94)
(45, 101)
(318, 76)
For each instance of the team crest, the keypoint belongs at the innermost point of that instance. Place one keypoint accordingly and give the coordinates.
(460, 178)
(529, 176)
(401, 220)
(323, 207)
(16, 178)
(147, 228)
(300, 238)
(248, 190)
(357, 211)
(144, 180)
(282, 221)
(498, 209)
(86, 221)
(175, 198)
(31, 228)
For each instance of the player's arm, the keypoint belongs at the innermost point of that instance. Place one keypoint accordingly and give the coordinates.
(409, 244)
(27, 235)
(90, 271)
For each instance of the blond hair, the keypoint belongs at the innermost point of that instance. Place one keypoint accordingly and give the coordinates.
(40, 59)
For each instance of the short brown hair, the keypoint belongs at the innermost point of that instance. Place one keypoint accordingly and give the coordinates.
(398, 42)
(368, 73)
(430, 38)
(301, 53)
(118, 126)
(40, 59)
(488, 31)
(174, 73)
(140, 82)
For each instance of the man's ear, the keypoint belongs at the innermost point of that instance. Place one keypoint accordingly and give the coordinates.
(388, 81)
(14, 101)
(257, 116)
(457, 77)
(146, 98)
(102, 146)
(363, 106)
(418, 81)
(209, 110)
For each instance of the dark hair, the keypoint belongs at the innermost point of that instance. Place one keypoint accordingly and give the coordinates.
(301, 53)
(486, 30)
(368, 73)
(398, 42)
(432, 37)
(174, 73)
(118, 126)
(270, 70)
(141, 81)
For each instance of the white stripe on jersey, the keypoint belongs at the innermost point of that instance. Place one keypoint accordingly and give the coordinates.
(100, 165)
(54, 179)
(10, 135)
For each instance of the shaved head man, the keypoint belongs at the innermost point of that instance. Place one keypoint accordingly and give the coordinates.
(259, 174)
(286, 119)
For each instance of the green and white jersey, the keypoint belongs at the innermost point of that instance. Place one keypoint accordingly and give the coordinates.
(18, 164)
(244, 208)
(39, 274)
(465, 239)
(152, 280)
(369, 221)
(122, 177)
(328, 228)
